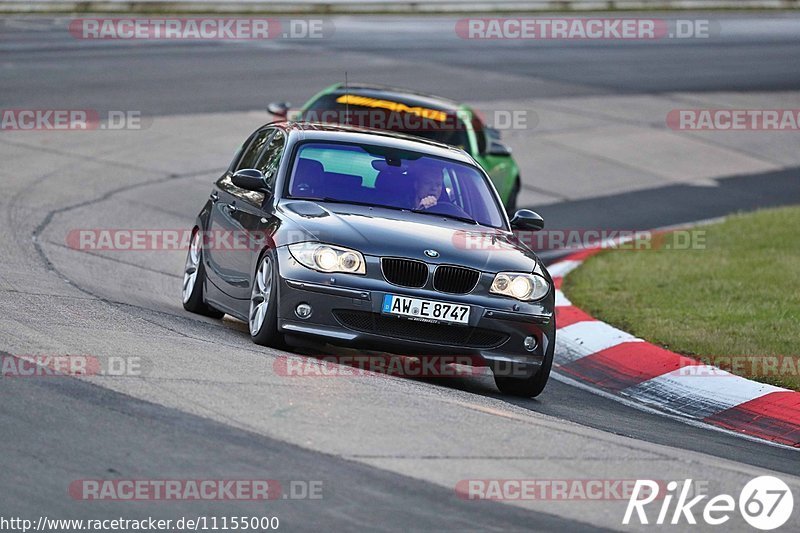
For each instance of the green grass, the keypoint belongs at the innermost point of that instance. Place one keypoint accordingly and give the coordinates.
(735, 294)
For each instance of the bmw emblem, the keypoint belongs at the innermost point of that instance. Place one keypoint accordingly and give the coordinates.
(431, 253)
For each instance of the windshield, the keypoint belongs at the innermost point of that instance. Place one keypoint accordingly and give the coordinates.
(367, 112)
(393, 178)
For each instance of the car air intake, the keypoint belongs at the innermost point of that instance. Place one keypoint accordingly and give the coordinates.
(399, 328)
(455, 280)
(404, 272)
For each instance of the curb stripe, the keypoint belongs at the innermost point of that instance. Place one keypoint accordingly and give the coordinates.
(561, 300)
(585, 338)
(774, 416)
(581, 255)
(567, 315)
(698, 395)
(626, 365)
(562, 268)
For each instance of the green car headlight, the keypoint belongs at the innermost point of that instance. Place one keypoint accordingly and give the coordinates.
(526, 287)
(328, 258)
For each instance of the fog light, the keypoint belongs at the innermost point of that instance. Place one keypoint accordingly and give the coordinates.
(302, 310)
(530, 343)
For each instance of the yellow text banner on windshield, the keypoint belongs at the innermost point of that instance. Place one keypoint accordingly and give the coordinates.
(397, 107)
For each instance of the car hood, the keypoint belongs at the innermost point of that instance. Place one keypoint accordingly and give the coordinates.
(392, 233)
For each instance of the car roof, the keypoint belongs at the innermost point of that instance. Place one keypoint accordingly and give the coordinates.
(343, 133)
(403, 96)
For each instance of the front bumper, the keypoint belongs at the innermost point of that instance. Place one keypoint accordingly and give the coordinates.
(346, 310)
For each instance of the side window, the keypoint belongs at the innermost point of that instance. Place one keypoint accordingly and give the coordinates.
(250, 156)
(271, 158)
(248, 160)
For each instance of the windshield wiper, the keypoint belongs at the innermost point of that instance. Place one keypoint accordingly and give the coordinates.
(395, 208)
(454, 217)
(353, 202)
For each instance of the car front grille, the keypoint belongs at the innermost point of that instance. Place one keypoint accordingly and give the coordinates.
(455, 280)
(413, 330)
(404, 272)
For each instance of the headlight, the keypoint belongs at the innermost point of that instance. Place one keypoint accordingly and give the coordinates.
(327, 258)
(525, 287)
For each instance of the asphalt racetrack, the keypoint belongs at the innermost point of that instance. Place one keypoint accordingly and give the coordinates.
(388, 451)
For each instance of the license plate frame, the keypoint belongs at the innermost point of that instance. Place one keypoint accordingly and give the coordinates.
(424, 310)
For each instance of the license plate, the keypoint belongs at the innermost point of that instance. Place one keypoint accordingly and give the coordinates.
(425, 310)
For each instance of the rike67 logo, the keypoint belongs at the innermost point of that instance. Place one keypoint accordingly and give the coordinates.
(765, 503)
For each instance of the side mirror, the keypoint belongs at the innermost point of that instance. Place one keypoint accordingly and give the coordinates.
(525, 219)
(498, 148)
(250, 179)
(279, 109)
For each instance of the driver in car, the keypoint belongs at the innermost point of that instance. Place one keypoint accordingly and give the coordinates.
(427, 187)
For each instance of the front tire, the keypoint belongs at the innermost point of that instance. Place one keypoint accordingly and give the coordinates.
(263, 315)
(527, 387)
(194, 278)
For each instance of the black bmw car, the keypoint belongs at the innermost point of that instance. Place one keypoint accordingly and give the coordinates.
(373, 239)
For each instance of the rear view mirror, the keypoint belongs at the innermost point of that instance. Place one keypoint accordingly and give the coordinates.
(279, 109)
(525, 219)
(250, 179)
(498, 148)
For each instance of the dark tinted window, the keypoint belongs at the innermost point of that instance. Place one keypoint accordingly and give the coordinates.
(392, 178)
(270, 158)
(251, 153)
(369, 112)
(264, 153)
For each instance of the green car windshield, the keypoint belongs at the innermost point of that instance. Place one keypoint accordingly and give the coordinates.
(393, 178)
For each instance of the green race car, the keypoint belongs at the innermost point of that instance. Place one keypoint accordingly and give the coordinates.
(417, 114)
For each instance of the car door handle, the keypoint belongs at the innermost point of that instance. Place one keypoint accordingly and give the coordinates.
(214, 196)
